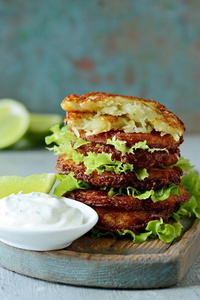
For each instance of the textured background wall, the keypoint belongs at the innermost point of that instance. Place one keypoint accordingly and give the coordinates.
(147, 48)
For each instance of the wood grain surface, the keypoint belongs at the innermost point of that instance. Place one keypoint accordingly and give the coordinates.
(110, 263)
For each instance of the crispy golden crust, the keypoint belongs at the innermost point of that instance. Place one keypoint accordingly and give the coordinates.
(157, 178)
(96, 101)
(153, 139)
(95, 112)
(90, 102)
(140, 158)
(126, 212)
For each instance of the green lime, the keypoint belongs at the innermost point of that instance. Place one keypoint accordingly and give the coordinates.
(33, 183)
(14, 122)
(40, 125)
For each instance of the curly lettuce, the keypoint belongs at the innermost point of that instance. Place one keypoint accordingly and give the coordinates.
(102, 162)
(123, 148)
(62, 137)
(165, 232)
(69, 183)
(191, 182)
(156, 195)
(137, 238)
(99, 162)
(156, 228)
(184, 164)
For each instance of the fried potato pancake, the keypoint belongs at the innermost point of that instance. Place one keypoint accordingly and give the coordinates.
(153, 139)
(97, 117)
(94, 113)
(97, 198)
(157, 177)
(126, 212)
(140, 158)
(84, 124)
(119, 219)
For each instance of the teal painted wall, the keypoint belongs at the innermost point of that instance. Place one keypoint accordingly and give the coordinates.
(146, 48)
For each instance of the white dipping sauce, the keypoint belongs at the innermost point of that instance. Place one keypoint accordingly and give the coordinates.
(38, 211)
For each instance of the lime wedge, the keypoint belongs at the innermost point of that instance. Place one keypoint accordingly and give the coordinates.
(14, 122)
(40, 125)
(33, 183)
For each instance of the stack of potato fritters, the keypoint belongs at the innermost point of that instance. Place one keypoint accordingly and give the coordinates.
(141, 137)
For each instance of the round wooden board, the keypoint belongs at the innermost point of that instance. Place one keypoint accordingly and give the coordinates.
(108, 262)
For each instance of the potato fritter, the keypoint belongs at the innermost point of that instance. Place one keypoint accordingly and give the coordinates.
(97, 198)
(126, 212)
(120, 219)
(140, 158)
(157, 177)
(153, 139)
(92, 114)
(97, 117)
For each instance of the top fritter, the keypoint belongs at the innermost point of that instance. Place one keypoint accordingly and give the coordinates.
(95, 112)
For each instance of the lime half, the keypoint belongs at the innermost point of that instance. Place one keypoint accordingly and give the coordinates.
(40, 125)
(14, 122)
(33, 183)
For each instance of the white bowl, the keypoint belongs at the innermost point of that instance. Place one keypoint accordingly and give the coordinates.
(49, 239)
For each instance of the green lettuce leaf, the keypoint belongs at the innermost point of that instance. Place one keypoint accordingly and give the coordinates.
(184, 164)
(121, 146)
(93, 161)
(141, 173)
(164, 193)
(137, 238)
(156, 195)
(60, 135)
(79, 143)
(102, 162)
(63, 138)
(191, 182)
(157, 228)
(166, 232)
(68, 183)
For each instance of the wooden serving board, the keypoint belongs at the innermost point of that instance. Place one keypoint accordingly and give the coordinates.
(110, 263)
